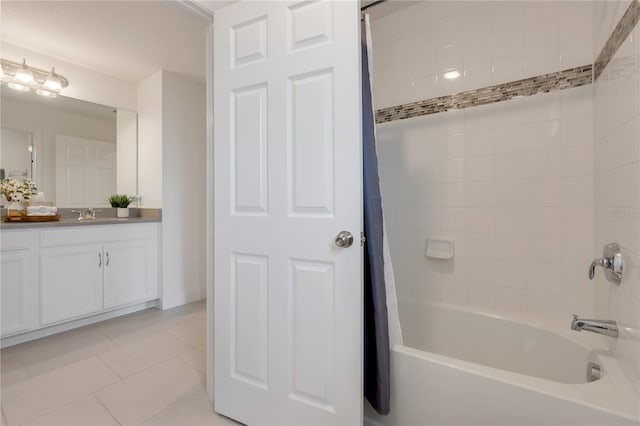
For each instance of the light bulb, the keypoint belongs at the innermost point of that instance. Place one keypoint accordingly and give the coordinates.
(18, 86)
(24, 74)
(451, 75)
(46, 93)
(53, 81)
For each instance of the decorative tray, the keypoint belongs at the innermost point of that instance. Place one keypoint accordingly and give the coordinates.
(25, 218)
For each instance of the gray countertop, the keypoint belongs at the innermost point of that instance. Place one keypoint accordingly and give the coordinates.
(106, 216)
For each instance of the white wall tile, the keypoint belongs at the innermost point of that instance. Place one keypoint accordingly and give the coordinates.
(454, 293)
(480, 169)
(479, 143)
(512, 183)
(509, 139)
(511, 274)
(511, 302)
(452, 171)
(481, 297)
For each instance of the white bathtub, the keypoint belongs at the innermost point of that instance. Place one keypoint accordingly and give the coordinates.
(467, 368)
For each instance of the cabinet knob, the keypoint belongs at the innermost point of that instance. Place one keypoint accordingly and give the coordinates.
(99, 260)
(107, 262)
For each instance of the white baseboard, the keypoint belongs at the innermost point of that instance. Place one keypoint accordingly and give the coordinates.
(177, 298)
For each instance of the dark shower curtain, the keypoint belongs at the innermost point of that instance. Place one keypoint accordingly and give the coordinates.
(376, 328)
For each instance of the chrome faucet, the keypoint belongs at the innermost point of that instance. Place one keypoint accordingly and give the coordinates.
(611, 261)
(91, 213)
(606, 327)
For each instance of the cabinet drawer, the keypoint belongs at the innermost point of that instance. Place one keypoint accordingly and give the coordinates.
(96, 234)
(16, 240)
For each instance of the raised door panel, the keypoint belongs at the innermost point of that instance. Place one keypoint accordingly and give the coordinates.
(127, 273)
(71, 282)
(17, 292)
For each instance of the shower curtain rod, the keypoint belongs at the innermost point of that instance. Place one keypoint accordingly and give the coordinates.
(371, 4)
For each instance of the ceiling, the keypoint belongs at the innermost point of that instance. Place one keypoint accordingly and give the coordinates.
(387, 7)
(129, 40)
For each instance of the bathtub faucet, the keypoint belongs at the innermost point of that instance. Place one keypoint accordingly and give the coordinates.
(606, 327)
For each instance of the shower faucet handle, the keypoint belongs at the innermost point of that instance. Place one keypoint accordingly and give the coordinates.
(611, 261)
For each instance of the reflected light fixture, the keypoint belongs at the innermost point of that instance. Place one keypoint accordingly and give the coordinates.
(18, 86)
(25, 78)
(451, 75)
(24, 74)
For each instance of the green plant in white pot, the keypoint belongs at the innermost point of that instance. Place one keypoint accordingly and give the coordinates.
(121, 202)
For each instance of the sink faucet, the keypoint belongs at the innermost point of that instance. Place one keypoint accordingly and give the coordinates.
(606, 327)
(91, 213)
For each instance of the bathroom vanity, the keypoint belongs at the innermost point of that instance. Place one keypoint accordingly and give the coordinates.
(61, 275)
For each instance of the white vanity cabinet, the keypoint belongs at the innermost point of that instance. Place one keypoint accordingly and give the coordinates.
(128, 272)
(91, 269)
(18, 281)
(55, 275)
(70, 282)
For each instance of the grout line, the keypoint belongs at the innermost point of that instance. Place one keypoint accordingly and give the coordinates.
(106, 408)
(109, 367)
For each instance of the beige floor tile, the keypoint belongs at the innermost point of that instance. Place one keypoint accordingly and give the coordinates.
(133, 357)
(12, 370)
(148, 392)
(50, 353)
(86, 411)
(197, 357)
(35, 397)
(193, 332)
(190, 410)
(135, 327)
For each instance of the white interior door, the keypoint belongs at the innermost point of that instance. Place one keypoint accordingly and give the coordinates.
(85, 172)
(287, 155)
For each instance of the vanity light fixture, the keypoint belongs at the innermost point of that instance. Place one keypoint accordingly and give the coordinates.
(53, 81)
(24, 74)
(26, 78)
(18, 86)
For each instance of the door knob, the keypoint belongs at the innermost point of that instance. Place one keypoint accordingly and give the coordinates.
(344, 239)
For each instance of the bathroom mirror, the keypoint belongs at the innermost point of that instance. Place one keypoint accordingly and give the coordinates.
(77, 152)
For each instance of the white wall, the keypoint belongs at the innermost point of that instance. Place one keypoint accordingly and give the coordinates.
(183, 182)
(150, 140)
(127, 152)
(511, 183)
(617, 190)
(172, 127)
(45, 124)
(84, 84)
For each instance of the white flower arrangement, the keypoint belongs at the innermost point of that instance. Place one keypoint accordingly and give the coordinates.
(18, 191)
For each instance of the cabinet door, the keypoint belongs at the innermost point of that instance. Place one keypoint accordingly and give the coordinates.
(127, 273)
(17, 292)
(71, 282)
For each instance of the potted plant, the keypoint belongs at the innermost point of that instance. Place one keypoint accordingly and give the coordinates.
(17, 193)
(121, 202)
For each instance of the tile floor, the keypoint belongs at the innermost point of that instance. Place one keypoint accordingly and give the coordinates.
(146, 368)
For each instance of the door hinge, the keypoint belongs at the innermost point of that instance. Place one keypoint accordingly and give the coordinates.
(363, 239)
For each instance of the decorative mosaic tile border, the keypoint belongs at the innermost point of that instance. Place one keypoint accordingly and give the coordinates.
(618, 36)
(566, 79)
